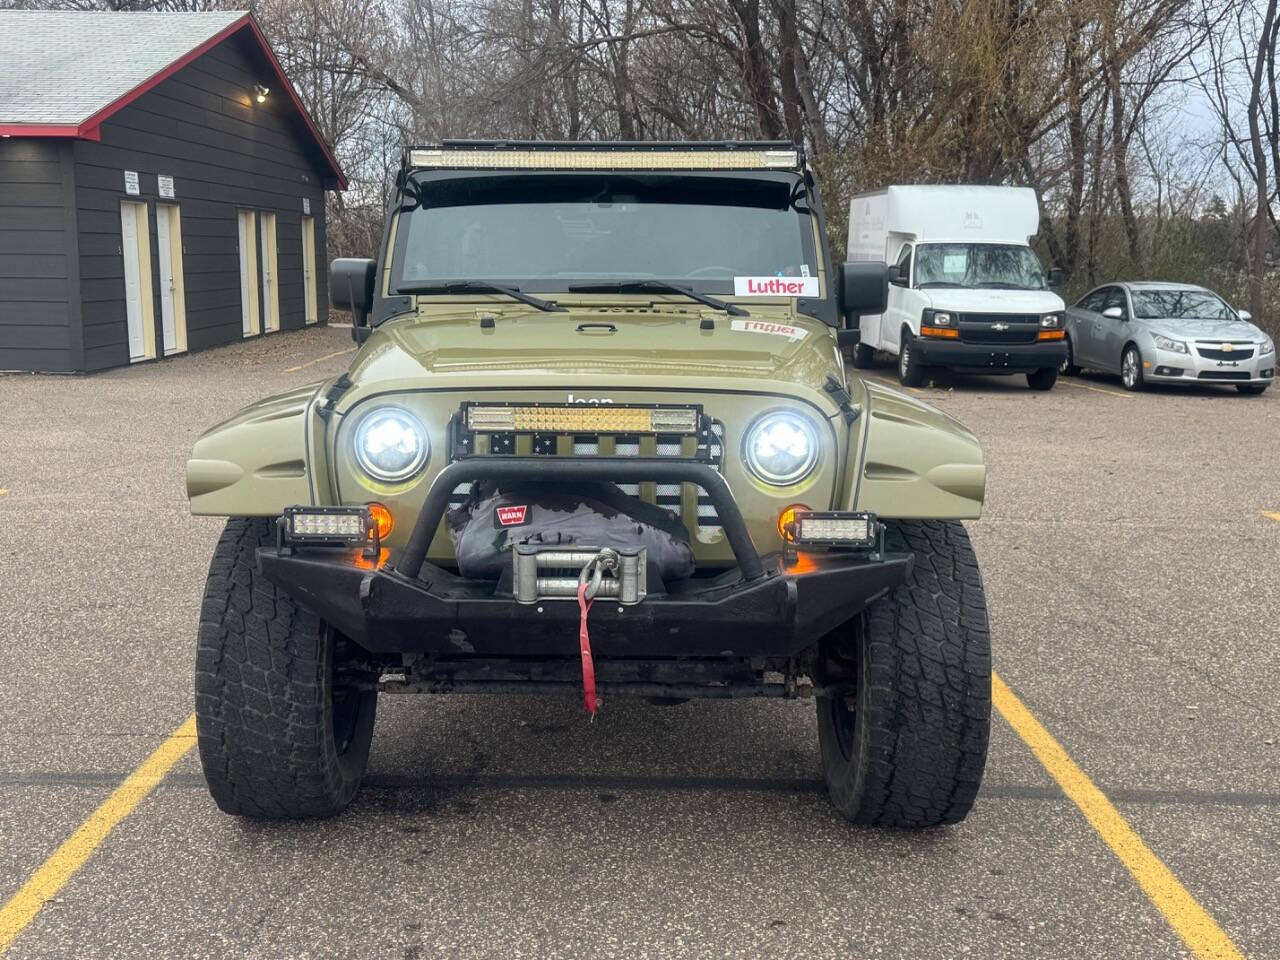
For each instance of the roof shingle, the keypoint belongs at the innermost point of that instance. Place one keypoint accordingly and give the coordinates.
(62, 67)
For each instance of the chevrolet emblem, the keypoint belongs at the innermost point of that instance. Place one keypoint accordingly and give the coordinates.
(999, 326)
(1228, 347)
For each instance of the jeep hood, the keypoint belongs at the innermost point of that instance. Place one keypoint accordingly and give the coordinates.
(621, 348)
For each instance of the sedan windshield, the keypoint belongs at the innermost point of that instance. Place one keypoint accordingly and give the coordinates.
(998, 266)
(552, 232)
(1180, 305)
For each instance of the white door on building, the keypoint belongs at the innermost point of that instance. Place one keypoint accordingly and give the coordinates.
(248, 273)
(309, 268)
(135, 249)
(173, 305)
(270, 285)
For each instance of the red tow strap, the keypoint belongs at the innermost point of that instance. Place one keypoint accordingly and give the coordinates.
(584, 648)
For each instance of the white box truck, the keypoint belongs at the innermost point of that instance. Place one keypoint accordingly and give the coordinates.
(966, 290)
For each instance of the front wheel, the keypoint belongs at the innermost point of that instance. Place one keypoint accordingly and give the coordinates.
(1252, 389)
(911, 373)
(282, 729)
(1043, 379)
(1131, 369)
(903, 730)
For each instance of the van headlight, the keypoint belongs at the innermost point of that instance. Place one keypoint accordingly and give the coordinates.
(1052, 321)
(391, 444)
(781, 448)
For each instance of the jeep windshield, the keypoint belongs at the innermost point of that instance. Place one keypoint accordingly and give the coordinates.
(988, 266)
(554, 232)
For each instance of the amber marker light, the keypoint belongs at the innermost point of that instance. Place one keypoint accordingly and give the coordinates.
(1051, 335)
(787, 521)
(948, 333)
(382, 519)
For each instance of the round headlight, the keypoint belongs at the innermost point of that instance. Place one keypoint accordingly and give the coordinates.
(781, 448)
(391, 444)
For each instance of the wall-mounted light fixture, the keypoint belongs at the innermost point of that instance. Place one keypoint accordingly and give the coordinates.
(261, 93)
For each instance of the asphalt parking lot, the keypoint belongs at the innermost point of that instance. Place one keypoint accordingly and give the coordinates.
(1132, 573)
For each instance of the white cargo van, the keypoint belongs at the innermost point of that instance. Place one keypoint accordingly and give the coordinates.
(966, 290)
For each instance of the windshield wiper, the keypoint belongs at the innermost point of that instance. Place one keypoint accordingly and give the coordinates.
(1002, 285)
(482, 286)
(625, 286)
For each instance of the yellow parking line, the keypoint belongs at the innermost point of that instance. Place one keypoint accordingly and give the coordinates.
(1270, 515)
(327, 356)
(54, 873)
(1085, 386)
(1190, 921)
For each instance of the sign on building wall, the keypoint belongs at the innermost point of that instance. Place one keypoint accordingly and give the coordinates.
(131, 182)
(306, 205)
(164, 186)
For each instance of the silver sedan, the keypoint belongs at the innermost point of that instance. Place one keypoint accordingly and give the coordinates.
(1167, 333)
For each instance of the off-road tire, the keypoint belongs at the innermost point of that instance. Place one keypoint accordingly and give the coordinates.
(274, 740)
(1068, 366)
(916, 667)
(864, 356)
(1043, 379)
(1252, 389)
(911, 373)
(1131, 377)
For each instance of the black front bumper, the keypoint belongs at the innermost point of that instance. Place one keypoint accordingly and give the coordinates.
(776, 615)
(760, 607)
(991, 357)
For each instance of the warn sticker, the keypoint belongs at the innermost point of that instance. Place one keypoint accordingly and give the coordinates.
(513, 516)
(765, 326)
(775, 286)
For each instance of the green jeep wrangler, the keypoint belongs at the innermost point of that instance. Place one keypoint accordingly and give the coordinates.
(597, 440)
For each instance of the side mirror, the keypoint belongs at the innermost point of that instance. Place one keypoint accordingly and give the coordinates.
(896, 276)
(351, 288)
(1055, 277)
(1244, 315)
(1115, 313)
(864, 287)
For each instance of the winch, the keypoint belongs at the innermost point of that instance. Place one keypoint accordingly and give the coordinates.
(549, 573)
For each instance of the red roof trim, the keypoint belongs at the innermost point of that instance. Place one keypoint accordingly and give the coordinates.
(88, 129)
(84, 132)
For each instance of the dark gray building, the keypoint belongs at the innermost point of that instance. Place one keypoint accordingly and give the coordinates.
(161, 189)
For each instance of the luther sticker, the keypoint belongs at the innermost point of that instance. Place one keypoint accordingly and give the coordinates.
(765, 326)
(775, 286)
(512, 516)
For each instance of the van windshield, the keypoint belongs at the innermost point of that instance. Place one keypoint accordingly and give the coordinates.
(992, 266)
(550, 232)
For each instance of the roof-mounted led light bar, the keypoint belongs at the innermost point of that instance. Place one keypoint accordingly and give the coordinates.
(621, 158)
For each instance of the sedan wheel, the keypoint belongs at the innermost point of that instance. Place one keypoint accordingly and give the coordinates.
(1131, 368)
(1068, 366)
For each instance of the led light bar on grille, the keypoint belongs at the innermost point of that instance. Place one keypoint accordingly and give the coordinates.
(618, 159)
(581, 418)
(838, 528)
(328, 525)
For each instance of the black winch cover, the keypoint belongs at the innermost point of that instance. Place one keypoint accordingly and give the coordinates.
(493, 520)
